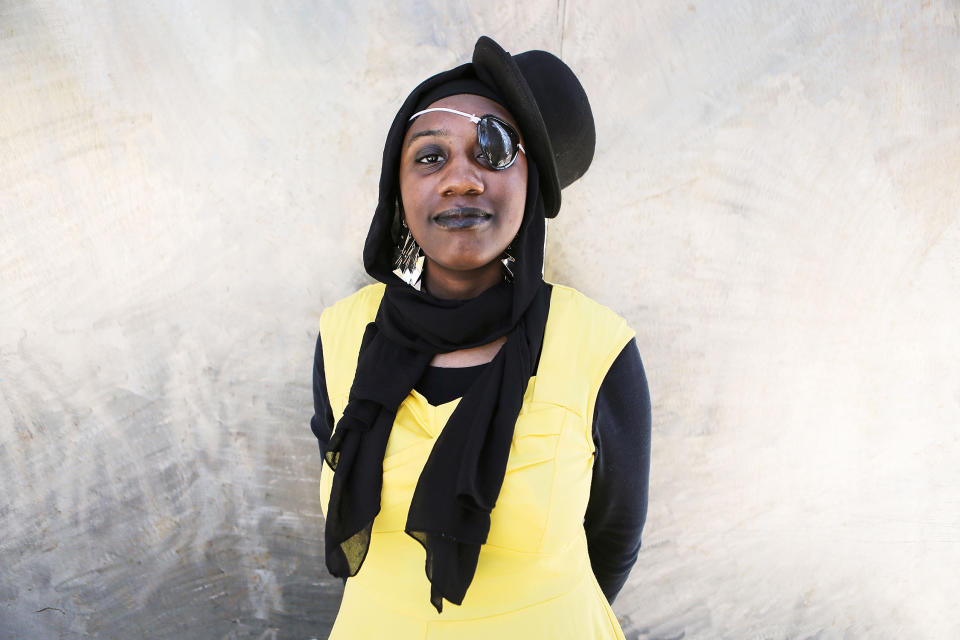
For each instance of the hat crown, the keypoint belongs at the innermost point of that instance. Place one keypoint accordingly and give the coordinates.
(565, 110)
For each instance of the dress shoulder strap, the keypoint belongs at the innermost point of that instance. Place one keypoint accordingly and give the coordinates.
(581, 341)
(341, 331)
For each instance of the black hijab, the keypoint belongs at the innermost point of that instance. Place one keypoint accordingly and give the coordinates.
(458, 487)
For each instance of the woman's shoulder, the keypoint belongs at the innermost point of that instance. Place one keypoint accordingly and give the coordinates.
(582, 339)
(363, 302)
(341, 331)
(583, 307)
(349, 316)
(577, 323)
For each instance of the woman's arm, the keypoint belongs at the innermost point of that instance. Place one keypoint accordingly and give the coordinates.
(322, 421)
(617, 508)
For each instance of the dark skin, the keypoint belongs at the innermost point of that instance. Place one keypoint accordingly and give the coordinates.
(461, 212)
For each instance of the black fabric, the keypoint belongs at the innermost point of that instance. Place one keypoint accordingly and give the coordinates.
(621, 429)
(440, 385)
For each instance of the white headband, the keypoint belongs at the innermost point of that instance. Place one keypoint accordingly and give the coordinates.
(474, 119)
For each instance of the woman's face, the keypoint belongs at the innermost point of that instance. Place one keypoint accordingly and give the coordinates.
(462, 213)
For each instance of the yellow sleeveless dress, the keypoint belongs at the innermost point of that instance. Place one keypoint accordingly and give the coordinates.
(533, 577)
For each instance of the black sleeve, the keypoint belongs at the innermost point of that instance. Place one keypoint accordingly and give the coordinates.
(617, 508)
(322, 421)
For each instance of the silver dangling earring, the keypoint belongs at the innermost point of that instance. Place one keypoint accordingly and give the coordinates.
(506, 260)
(409, 264)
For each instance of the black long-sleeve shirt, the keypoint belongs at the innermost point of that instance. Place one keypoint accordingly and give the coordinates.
(617, 508)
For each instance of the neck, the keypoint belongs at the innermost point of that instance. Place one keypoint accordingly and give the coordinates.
(460, 285)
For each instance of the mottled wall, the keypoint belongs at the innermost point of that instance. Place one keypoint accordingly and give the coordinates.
(774, 206)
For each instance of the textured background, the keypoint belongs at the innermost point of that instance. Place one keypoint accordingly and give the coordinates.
(774, 207)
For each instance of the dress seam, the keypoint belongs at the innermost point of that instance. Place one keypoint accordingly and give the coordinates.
(606, 363)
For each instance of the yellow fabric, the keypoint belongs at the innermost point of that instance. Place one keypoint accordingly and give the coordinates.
(533, 577)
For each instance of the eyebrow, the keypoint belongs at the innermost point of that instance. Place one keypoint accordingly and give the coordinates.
(428, 132)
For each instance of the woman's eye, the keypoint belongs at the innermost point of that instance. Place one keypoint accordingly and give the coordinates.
(429, 157)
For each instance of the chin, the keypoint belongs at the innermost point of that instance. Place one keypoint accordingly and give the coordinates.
(464, 262)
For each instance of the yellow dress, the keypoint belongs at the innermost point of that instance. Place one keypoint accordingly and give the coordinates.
(533, 577)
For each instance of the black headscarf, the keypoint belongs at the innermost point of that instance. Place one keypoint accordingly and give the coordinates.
(461, 480)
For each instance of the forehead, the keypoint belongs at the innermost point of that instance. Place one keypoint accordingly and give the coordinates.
(466, 102)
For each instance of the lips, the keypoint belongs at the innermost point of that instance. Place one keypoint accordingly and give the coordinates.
(462, 218)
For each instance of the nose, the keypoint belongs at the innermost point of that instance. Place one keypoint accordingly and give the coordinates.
(461, 176)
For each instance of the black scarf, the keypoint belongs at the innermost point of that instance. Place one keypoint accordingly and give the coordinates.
(458, 487)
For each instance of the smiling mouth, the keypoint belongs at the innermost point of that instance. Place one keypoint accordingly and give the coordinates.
(462, 218)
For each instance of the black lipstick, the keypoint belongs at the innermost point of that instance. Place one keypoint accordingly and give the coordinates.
(462, 218)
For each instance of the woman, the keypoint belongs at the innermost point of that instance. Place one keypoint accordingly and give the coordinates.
(492, 437)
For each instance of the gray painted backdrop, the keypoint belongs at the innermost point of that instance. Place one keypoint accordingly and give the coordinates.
(774, 207)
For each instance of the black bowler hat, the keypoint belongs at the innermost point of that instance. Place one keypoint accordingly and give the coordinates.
(537, 88)
(551, 108)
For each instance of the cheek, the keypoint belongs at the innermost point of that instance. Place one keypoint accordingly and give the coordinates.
(517, 202)
(408, 183)
(411, 198)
